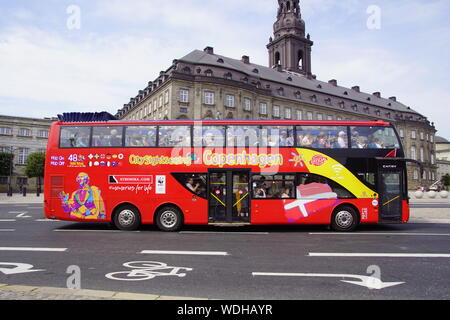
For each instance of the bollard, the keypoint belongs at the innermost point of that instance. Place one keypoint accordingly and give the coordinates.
(10, 191)
(38, 191)
(24, 191)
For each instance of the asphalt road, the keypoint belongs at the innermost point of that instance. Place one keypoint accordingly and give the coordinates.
(266, 262)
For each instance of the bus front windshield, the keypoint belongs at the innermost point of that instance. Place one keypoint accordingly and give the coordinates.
(374, 138)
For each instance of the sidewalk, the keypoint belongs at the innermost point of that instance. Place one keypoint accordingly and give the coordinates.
(10, 292)
(18, 198)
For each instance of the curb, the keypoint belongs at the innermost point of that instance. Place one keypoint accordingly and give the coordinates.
(35, 293)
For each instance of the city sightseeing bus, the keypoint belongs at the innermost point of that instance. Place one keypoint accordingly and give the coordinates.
(223, 172)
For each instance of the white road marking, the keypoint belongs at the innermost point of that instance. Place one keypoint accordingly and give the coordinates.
(381, 255)
(365, 281)
(7, 230)
(381, 234)
(79, 230)
(23, 215)
(33, 249)
(18, 268)
(34, 207)
(199, 253)
(7, 220)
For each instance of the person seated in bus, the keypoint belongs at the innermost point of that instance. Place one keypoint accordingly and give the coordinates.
(190, 185)
(359, 143)
(136, 140)
(150, 139)
(260, 193)
(286, 193)
(321, 141)
(101, 141)
(208, 140)
(341, 141)
(376, 144)
(300, 137)
(285, 140)
(308, 140)
(82, 141)
(114, 139)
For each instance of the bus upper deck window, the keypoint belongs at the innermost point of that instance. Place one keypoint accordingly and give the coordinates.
(75, 137)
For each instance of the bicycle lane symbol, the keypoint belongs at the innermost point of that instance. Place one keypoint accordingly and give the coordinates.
(147, 270)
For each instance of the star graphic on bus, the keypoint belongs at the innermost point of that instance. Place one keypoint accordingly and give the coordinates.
(297, 159)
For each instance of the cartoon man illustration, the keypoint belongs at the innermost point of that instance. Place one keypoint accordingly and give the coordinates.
(84, 203)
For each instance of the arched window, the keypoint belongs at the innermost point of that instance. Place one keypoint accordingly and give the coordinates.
(277, 58)
(288, 6)
(187, 70)
(300, 59)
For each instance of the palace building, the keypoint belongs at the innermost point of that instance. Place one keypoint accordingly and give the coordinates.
(207, 85)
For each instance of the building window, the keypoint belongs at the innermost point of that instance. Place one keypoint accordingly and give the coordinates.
(184, 96)
(287, 113)
(422, 154)
(228, 76)
(413, 153)
(229, 101)
(319, 116)
(209, 98)
(422, 136)
(413, 134)
(432, 139)
(160, 101)
(263, 108)
(23, 155)
(433, 160)
(43, 134)
(5, 131)
(416, 175)
(299, 114)
(41, 150)
(330, 118)
(402, 133)
(166, 97)
(209, 73)
(247, 104)
(22, 181)
(309, 116)
(339, 118)
(24, 132)
(276, 111)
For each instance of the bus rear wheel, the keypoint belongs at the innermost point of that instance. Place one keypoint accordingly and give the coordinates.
(345, 219)
(127, 218)
(169, 219)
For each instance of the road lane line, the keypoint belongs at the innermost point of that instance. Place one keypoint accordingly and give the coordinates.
(7, 220)
(381, 255)
(381, 234)
(78, 230)
(33, 249)
(7, 230)
(199, 253)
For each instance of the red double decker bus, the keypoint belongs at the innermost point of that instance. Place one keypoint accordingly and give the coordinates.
(175, 173)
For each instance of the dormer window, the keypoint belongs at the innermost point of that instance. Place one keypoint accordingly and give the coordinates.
(245, 80)
(319, 86)
(281, 91)
(187, 70)
(289, 79)
(228, 76)
(342, 105)
(298, 95)
(220, 60)
(258, 85)
(314, 98)
(209, 73)
(255, 70)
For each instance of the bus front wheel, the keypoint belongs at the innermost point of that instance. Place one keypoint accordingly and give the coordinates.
(345, 219)
(169, 219)
(127, 218)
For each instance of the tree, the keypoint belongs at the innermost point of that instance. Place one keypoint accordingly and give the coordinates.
(34, 168)
(6, 160)
(446, 181)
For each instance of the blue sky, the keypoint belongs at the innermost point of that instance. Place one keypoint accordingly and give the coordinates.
(48, 68)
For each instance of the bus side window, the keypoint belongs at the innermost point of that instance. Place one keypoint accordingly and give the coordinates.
(140, 136)
(318, 187)
(175, 136)
(107, 136)
(75, 137)
(242, 136)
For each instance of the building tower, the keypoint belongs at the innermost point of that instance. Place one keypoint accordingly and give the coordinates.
(290, 48)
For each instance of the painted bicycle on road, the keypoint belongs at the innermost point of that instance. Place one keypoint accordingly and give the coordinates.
(147, 270)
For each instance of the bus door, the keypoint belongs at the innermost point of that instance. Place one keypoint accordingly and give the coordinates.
(229, 196)
(391, 186)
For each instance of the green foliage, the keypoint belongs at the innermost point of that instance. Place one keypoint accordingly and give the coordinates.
(35, 165)
(5, 163)
(446, 181)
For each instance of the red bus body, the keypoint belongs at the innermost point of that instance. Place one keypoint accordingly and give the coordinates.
(146, 179)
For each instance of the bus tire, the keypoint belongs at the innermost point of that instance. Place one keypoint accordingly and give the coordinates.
(127, 218)
(169, 219)
(344, 219)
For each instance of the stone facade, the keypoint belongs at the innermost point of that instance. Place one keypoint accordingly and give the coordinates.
(205, 85)
(22, 136)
